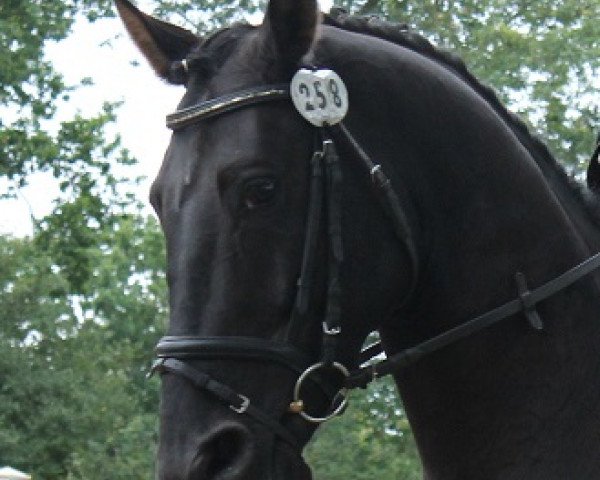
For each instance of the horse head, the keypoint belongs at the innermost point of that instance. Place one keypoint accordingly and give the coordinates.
(252, 216)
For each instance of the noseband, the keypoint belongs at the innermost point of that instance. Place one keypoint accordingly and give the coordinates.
(174, 352)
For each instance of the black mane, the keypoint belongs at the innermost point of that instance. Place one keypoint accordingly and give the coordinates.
(400, 34)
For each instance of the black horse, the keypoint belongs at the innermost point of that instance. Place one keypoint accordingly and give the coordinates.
(275, 227)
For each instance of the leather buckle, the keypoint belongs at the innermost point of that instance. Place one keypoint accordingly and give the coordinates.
(244, 404)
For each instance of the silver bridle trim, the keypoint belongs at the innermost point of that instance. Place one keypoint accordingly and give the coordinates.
(225, 103)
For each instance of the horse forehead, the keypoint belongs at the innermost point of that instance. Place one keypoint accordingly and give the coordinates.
(195, 158)
(226, 69)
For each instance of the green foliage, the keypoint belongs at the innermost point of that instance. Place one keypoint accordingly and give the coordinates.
(207, 15)
(371, 440)
(30, 88)
(30, 289)
(83, 164)
(126, 454)
(73, 399)
(83, 301)
(26, 78)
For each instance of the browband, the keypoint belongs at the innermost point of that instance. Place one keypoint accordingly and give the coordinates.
(226, 103)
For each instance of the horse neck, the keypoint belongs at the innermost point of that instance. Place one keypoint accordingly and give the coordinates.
(502, 401)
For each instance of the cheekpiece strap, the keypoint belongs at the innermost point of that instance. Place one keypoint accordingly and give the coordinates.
(333, 181)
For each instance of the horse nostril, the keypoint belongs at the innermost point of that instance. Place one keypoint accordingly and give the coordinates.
(225, 454)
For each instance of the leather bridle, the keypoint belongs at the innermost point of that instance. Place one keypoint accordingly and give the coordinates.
(174, 352)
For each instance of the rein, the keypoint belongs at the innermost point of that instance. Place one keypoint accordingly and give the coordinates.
(325, 201)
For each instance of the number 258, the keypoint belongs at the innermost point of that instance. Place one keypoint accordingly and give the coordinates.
(321, 98)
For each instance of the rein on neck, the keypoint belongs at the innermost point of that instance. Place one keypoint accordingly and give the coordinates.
(325, 194)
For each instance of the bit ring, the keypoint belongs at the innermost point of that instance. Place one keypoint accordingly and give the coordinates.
(335, 411)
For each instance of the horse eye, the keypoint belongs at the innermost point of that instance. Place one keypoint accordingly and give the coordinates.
(259, 192)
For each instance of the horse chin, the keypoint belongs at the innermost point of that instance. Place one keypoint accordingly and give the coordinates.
(290, 466)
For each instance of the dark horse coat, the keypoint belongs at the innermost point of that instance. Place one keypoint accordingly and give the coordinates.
(482, 199)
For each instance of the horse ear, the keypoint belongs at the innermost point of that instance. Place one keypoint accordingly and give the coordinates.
(593, 171)
(290, 28)
(162, 43)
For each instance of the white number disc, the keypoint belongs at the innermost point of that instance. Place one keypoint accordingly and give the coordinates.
(320, 96)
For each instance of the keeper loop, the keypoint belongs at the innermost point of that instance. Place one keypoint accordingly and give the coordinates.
(528, 303)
